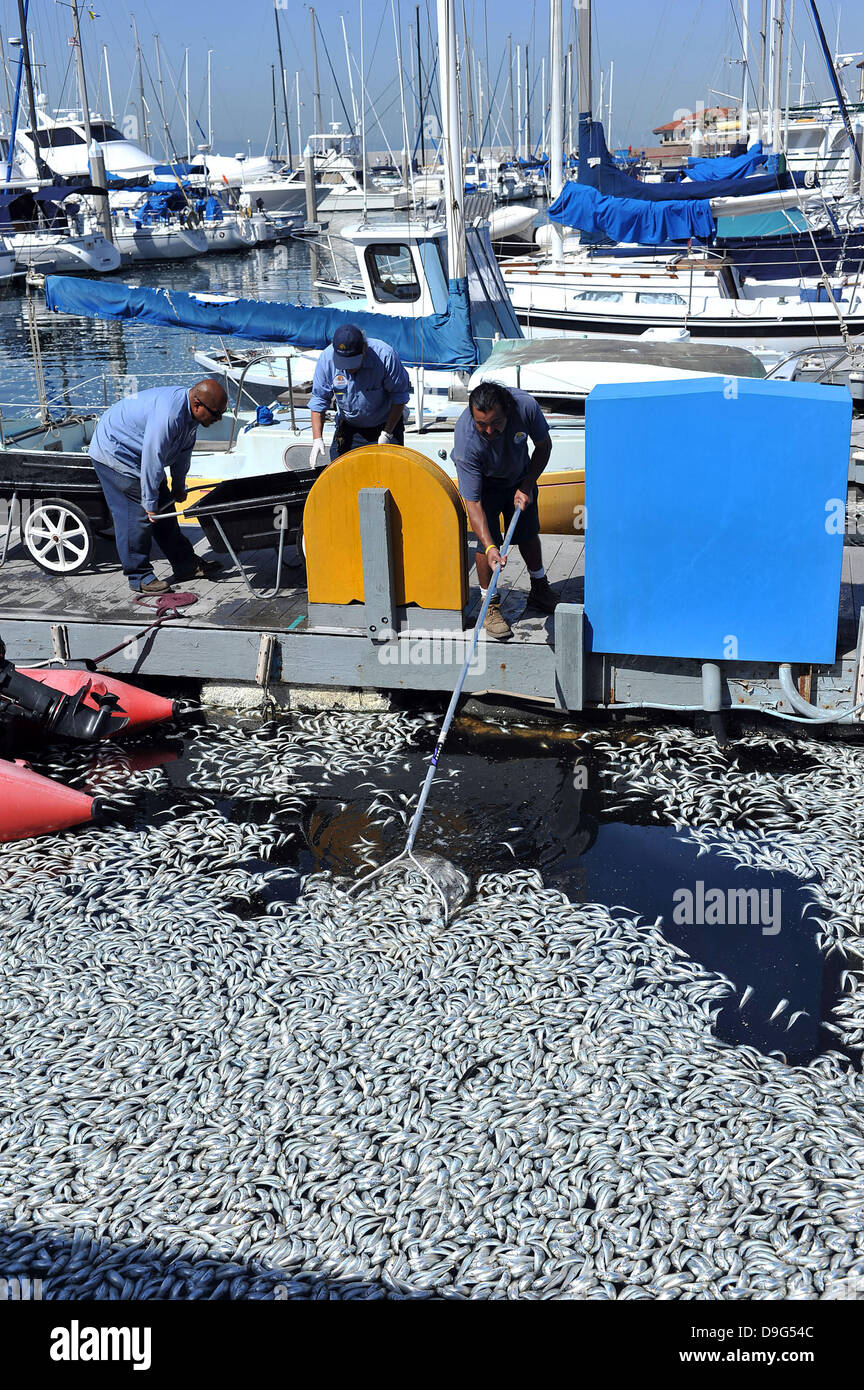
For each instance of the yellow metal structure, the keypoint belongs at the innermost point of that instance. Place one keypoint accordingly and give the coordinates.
(561, 502)
(427, 529)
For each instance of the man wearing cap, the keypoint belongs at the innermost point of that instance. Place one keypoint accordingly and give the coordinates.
(496, 475)
(366, 381)
(135, 442)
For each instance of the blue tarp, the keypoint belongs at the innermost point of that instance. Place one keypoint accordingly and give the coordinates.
(597, 169)
(727, 166)
(439, 340)
(630, 219)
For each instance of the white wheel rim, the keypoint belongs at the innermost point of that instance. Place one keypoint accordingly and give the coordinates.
(57, 539)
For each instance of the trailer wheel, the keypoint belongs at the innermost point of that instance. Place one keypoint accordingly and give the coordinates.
(59, 537)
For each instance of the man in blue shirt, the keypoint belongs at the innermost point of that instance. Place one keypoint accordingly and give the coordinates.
(496, 475)
(136, 441)
(370, 388)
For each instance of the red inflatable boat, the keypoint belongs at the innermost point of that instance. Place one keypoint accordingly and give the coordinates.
(34, 805)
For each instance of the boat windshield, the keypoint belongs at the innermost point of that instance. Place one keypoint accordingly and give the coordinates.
(104, 133)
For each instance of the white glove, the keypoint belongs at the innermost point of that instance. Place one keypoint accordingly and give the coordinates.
(385, 438)
(318, 451)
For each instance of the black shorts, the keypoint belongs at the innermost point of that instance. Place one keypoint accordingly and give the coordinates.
(497, 502)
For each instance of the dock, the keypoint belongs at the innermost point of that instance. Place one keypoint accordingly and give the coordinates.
(230, 636)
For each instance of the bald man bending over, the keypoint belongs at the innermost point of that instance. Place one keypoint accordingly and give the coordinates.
(136, 441)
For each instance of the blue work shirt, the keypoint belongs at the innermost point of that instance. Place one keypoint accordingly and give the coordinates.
(143, 436)
(497, 462)
(364, 397)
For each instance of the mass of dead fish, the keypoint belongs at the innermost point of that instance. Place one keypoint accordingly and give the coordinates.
(340, 1097)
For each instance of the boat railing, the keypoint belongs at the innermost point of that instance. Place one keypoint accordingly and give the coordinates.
(253, 359)
(77, 410)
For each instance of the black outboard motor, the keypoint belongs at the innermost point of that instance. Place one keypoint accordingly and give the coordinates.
(61, 716)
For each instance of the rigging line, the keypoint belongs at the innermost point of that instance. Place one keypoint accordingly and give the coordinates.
(491, 100)
(348, 119)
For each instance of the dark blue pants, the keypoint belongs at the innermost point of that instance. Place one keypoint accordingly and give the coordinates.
(135, 534)
(350, 436)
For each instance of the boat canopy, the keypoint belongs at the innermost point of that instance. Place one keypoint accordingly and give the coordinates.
(531, 364)
(631, 219)
(20, 205)
(598, 169)
(437, 340)
(731, 166)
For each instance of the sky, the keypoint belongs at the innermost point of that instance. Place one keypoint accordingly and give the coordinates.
(668, 56)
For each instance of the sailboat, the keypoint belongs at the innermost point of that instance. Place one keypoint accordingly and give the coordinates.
(588, 291)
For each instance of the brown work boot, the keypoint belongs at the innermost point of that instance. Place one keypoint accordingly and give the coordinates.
(495, 623)
(155, 586)
(542, 596)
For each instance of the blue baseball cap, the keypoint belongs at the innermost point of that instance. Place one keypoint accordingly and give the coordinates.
(349, 344)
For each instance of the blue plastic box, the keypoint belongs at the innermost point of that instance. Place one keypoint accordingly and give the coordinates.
(715, 518)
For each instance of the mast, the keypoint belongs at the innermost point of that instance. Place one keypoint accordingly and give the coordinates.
(317, 92)
(94, 154)
(144, 134)
(583, 60)
(41, 167)
(470, 132)
(745, 45)
(512, 125)
(519, 99)
(188, 135)
(350, 75)
(776, 133)
(108, 83)
(611, 76)
(420, 90)
(209, 101)
(168, 141)
(406, 157)
(289, 151)
(556, 119)
(763, 52)
(364, 174)
(82, 78)
(527, 106)
(275, 117)
(569, 99)
(788, 74)
(451, 144)
(297, 91)
(479, 112)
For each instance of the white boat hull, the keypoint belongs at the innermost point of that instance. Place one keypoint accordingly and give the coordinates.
(229, 235)
(50, 252)
(159, 243)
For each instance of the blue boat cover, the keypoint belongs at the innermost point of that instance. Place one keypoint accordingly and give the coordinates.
(728, 166)
(631, 219)
(440, 340)
(597, 168)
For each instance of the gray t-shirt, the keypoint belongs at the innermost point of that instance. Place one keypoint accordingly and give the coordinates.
(497, 462)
